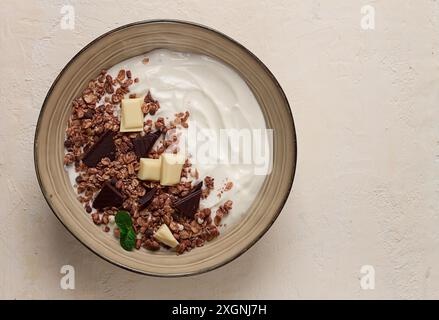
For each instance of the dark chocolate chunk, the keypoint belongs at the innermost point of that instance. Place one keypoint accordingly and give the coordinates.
(139, 147)
(102, 148)
(189, 205)
(146, 199)
(108, 197)
(142, 145)
(197, 187)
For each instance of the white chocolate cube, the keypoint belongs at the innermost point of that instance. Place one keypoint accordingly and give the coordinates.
(164, 235)
(131, 117)
(172, 164)
(149, 169)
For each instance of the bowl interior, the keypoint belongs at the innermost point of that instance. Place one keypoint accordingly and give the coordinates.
(130, 41)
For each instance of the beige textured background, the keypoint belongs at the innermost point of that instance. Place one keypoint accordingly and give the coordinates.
(366, 105)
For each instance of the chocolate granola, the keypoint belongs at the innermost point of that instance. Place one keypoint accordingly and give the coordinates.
(107, 162)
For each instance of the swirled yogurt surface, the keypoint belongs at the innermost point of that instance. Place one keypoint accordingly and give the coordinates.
(217, 99)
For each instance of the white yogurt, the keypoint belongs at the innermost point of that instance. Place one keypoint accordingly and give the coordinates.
(217, 98)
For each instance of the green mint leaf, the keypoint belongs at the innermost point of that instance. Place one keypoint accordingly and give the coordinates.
(129, 240)
(123, 232)
(123, 219)
(127, 234)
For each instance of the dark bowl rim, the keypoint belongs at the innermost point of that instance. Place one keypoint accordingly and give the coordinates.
(167, 21)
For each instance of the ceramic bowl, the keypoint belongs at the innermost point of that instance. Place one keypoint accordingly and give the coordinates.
(129, 41)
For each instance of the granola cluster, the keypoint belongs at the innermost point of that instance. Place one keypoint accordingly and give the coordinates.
(94, 113)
